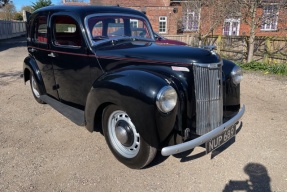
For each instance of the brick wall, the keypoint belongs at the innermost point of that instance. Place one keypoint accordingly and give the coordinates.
(153, 8)
(156, 8)
(153, 13)
(132, 3)
(244, 28)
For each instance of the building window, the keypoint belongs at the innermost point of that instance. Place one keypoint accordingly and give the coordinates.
(134, 23)
(231, 27)
(190, 20)
(269, 18)
(162, 24)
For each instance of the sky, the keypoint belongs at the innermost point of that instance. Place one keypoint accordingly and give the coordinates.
(19, 3)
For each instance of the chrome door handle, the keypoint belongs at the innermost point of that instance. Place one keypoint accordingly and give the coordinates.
(52, 54)
(32, 50)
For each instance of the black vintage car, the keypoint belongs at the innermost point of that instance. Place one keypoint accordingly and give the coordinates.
(87, 63)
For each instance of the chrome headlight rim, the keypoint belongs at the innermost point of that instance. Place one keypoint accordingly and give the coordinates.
(166, 99)
(236, 74)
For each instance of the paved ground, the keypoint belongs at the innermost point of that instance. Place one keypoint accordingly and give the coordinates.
(40, 150)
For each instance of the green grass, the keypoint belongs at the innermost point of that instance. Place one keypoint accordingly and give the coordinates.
(279, 69)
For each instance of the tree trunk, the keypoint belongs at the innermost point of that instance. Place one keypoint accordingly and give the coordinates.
(250, 48)
(199, 42)
(252, 33)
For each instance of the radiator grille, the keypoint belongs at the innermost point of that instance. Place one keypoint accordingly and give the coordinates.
(208, 95)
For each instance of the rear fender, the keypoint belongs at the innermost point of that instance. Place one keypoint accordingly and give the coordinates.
(30, 67)
(135, 92)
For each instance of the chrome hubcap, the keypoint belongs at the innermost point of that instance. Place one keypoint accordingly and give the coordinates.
(123, 134)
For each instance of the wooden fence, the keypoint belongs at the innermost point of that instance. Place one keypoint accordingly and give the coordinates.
(267, 49)
(9, 29)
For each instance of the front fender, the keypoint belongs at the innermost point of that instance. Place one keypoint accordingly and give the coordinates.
(231, 99)
(30, 67)
(135, 92)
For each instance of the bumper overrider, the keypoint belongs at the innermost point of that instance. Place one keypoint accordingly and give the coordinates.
(174, 149)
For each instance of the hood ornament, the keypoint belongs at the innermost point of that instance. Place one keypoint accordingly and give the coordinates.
(210, 48)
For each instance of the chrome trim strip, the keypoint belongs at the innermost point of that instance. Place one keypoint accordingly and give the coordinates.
(174, 149)
(210, 65)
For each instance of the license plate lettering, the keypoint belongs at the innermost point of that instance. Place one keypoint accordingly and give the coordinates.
(220, 139)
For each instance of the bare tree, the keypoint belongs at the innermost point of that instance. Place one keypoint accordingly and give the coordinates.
(8, 12)
(260, 14)
(205, 16)
(3, 3)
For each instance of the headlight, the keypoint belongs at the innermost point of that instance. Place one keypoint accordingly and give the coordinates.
(166, 99)
(236, 75)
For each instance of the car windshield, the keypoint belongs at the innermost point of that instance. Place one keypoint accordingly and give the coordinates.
(114, 27)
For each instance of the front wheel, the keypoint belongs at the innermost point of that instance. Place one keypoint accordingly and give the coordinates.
(124, 140)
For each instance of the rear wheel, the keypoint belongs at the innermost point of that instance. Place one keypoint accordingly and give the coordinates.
(35, 89)
(124, 140)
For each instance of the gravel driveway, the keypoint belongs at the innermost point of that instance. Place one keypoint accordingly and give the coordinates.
(40, 150)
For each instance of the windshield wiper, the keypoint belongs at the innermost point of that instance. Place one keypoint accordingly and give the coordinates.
(112, 40)
(117, 39)
(100, 37)
(142, 39)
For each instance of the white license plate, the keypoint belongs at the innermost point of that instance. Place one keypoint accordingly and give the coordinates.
(220, 139)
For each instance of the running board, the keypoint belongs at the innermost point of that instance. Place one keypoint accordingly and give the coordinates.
(74, 114)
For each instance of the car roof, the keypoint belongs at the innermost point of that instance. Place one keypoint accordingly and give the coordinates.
(88, 9)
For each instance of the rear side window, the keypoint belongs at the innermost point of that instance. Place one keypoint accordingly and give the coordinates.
(66, 32)
(41, 29)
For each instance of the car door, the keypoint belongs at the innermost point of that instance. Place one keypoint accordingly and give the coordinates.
(38, 47)
(71, 62)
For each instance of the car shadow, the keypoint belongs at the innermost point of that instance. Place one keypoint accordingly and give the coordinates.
(259, 180)
(157, 160)
(8, 77)
(12, 43)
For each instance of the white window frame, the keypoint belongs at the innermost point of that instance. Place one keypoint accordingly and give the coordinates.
(272, 16)
(134, 21)
(187, 19)
(231, 29)
(162, 19)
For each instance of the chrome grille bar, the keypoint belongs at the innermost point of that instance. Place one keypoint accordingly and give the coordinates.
(208, 95)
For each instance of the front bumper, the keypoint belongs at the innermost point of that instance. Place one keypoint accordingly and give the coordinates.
(174, 149)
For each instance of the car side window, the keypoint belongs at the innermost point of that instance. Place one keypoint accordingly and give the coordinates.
(40, 35)
(66, 32)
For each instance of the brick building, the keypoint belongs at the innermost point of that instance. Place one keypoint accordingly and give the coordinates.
(170, 17)
(273, 22)
(272, 16)
(161, 14)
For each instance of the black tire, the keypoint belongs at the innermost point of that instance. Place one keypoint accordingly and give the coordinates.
(35, 89)
(123, 139)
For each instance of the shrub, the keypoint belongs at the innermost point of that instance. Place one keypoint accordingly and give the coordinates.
(280, 69)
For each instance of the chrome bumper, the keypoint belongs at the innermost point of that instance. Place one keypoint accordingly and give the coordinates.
(174, 149)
